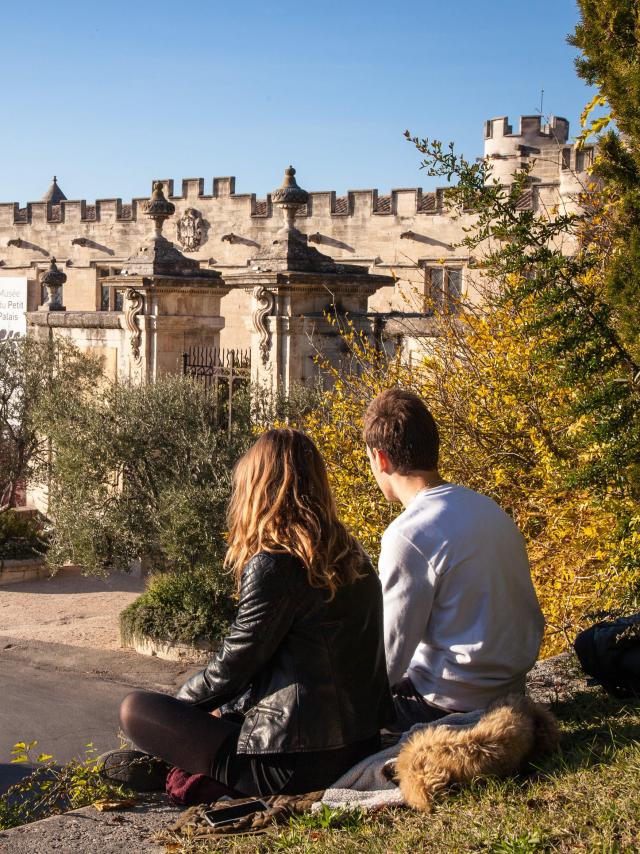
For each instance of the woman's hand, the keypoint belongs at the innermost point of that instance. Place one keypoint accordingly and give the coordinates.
(216, 713)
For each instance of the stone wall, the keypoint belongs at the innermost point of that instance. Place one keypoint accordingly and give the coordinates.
(399, 233)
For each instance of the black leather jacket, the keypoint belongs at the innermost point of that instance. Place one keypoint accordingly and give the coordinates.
(316, 668)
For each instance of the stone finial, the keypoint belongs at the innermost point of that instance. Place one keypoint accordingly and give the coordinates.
(158, 208)
(289, 196)
(54, 194)
(53, 280)
(159, 257)
(289, 193)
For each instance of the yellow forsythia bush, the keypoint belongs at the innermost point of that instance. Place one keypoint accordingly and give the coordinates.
(505, 431)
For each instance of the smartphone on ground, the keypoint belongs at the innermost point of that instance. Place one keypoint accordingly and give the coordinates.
(227, 815)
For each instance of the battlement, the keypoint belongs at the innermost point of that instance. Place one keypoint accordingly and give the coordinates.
(69, 211)
(530, 128)
(403, 201)
(507, 150)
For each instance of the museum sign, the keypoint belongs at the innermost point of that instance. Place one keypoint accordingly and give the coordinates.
(13, 305)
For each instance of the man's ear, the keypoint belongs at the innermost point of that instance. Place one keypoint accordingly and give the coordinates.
(382, 461)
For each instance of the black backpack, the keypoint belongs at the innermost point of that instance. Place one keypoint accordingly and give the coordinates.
(610, 653)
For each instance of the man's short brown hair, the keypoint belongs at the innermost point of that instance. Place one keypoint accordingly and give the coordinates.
(398, 423)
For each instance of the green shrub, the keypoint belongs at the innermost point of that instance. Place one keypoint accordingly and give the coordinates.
(52, 789)
(22, 536)
(183, 607)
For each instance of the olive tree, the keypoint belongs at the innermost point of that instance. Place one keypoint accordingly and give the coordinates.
(35, 377)
(143, 472)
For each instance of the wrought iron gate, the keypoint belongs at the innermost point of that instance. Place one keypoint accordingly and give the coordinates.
(222, 372)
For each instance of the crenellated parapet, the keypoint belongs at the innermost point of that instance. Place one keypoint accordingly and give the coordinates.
(542, 147)
(407, 230)
(543, 144)
(412, 200)
(327, 202)
(69, 211)
(530, 129)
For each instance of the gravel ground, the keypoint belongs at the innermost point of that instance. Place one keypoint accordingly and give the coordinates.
(68, 608)
(88, 830)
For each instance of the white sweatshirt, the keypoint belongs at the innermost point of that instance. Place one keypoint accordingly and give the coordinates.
(461, 616)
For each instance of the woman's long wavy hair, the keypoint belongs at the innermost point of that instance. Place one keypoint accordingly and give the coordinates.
(282, 502)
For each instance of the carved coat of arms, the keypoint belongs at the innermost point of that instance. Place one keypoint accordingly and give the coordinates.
(191, 230)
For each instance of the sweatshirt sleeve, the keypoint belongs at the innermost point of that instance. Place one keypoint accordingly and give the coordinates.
(408, 592)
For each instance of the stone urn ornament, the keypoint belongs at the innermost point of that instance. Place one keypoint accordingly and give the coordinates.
(158, 208)
(53, 280)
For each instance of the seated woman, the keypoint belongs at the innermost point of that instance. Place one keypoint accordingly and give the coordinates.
(307, 641)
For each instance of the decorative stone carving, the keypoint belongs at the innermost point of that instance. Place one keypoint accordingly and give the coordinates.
(265, 302)
(159, 257)
(290, 250)
(133, 304)
(191, 231)
(53, 280)
(289, 194)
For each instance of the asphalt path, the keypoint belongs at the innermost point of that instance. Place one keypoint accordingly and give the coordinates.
(64, 697)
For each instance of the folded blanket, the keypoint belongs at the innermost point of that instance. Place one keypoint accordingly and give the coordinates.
(369, 784)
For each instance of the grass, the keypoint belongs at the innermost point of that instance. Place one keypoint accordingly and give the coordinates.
(586, 798)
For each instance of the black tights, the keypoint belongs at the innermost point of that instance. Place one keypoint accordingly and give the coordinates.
(189, 738)
(178, 732)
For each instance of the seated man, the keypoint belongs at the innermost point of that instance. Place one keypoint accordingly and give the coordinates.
(462, 622)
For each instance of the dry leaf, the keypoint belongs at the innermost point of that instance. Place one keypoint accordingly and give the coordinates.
(123, 804)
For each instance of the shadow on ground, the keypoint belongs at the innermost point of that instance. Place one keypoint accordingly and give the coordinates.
(12, 774)
(75, 582)
(592, 724)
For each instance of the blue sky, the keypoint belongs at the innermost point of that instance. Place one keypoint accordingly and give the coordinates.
(112, 94)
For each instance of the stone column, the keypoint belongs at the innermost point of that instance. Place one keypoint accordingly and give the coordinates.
(170, 303)
(296, 291)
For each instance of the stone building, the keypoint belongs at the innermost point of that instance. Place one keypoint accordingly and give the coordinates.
(232, 272)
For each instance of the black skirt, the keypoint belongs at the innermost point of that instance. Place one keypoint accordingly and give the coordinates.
(286, 773)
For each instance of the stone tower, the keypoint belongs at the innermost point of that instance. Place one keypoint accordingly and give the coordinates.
(536, 144)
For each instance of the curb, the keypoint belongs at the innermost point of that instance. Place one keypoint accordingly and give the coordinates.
(87, 829)
(30, 569)
(199, 653)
